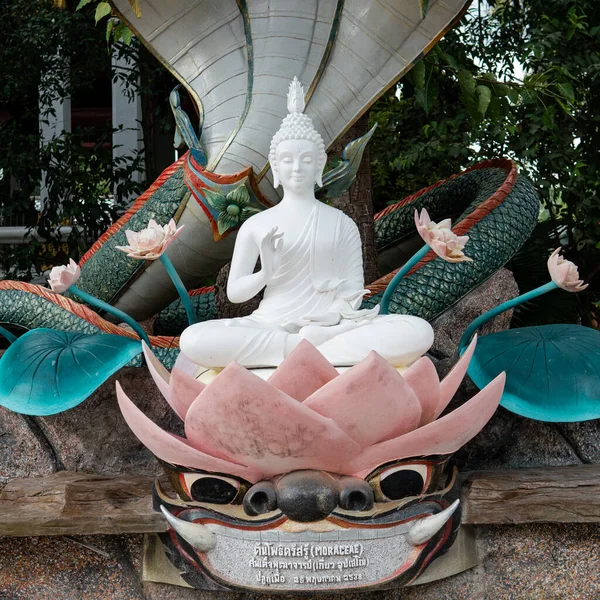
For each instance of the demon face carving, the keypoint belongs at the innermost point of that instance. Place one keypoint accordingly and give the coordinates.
(312, 480)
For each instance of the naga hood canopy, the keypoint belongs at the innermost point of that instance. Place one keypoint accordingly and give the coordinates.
(237, 57)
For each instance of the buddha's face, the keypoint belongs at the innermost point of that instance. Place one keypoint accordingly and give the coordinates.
(297, 164)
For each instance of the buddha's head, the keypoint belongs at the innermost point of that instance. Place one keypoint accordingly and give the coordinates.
(297, 154)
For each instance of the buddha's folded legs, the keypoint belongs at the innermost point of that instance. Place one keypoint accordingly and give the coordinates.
(217, 343)
(400, 339)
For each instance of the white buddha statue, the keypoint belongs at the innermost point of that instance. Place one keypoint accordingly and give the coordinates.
(311, 270)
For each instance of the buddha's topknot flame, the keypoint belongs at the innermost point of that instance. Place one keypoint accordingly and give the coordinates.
(295, 99)
(297, 126)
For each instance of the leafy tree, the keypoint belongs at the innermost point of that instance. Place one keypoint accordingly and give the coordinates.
(46, 53)
(518, 81)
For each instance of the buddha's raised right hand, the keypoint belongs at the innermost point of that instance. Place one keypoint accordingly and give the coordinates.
(271, 250)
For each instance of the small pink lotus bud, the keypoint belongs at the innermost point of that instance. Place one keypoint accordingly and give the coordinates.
(63, 277)
(564, 273)
(440, 238)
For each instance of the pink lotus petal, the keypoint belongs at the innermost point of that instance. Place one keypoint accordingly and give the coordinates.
(440, 247)
(184, 389)
(150, 243)
(303, 371)
(370, 402)
(452, 381)
(174, 449)
(444, 436)
(423, 379)
(186, 365)
(240, 417)
(564, 273)
(160, 375)
(560, 272)
(132, 237)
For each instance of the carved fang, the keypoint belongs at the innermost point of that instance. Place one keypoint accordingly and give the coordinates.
(199, 536)
(424, 529)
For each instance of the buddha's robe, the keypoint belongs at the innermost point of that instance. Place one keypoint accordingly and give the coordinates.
(319, 273)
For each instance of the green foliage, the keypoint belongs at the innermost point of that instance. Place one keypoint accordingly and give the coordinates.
(102, 10)
(40, 43)
(116, 30)
(515, 80)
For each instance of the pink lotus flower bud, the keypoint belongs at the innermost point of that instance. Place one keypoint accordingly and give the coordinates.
(150, 243)
(63, 277)
(564, 273)
(441, 239)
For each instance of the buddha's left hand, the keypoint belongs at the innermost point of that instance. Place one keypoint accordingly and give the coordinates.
(328, 319)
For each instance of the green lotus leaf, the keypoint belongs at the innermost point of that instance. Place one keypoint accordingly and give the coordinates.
(45, 371)
(552, 371)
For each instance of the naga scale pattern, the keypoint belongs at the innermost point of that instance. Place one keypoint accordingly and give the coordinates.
(495, 231)
(106, 271)
(172, 320)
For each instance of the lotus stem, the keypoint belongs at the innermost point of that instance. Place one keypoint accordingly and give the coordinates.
(8, 335)
(490, 314)
(183, 294)
(115, 312)
(393, 284)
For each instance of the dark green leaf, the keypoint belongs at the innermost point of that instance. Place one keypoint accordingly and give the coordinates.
(239, 196)
(216, 200)
(248, 212)
(566, 89)
(484, 96)
(467, 83)
(83, 3)
(225, 222)
(126, 36)
(418, 73)
(109, 27)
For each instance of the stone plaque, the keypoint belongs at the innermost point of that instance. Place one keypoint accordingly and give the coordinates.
(337, 559)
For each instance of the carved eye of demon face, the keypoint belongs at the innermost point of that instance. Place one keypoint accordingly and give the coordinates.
(211, 489)
(206, 488)
(292, 493)
(401, 481)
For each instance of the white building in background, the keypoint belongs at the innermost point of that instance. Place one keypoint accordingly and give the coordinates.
(114, 104)
(126, 114)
